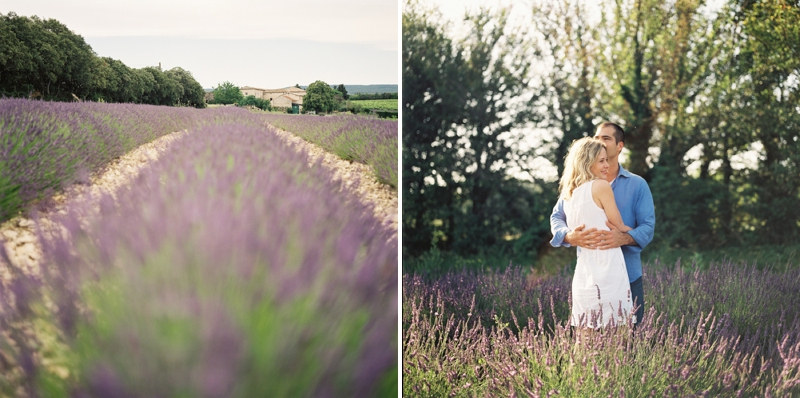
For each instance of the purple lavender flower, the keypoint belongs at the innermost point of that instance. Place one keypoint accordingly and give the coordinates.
(228, 267)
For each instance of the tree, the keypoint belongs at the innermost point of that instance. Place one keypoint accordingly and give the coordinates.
(166, 90)
(105, 80)
(259, 103)
(227, 93)
(770, 67)
(459, 143)
(42, 58)
(343, 90)
(573, 80)
(193, 93)
(320, 97)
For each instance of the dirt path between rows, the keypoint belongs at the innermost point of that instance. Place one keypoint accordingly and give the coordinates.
(368, 189)
(19, 233)
(21, 242)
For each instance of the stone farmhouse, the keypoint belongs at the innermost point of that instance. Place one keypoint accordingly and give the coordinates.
(279, 98)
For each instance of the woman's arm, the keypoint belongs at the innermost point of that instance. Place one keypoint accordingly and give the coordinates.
(604, 197)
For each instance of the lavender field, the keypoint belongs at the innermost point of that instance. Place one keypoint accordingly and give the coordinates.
(731, 330)
(46, 146)
(367, 140)
(229, 268)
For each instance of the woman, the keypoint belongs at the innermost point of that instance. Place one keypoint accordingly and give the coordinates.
(600, 288)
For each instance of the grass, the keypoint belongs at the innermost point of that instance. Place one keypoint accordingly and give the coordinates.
(555, 260)
(382, 104)
(762, 256)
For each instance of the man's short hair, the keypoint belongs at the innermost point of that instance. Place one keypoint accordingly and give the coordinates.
(619, 133)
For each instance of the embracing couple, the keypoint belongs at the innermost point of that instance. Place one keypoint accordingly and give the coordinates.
(608, 213)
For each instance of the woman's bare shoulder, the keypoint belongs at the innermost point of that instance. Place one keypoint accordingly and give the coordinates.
(600, 184)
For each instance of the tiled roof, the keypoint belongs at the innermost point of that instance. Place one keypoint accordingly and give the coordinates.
(293, 98)
(285, 90)
(251, 88)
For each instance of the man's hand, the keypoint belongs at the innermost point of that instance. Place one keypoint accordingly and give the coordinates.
(580, 236)
(613, 239)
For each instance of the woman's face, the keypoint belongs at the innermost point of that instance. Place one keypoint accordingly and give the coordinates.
(599, 168)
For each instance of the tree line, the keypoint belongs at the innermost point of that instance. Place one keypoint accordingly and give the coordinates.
(373, 96)
(324, 98)
(42, 58)
(708, 98)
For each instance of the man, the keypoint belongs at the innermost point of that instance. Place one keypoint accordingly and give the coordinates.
(635, 203)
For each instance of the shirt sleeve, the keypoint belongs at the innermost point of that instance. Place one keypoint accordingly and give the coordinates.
(645, 219)
(558, 225)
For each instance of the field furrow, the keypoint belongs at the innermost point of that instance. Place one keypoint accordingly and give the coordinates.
(223, 260)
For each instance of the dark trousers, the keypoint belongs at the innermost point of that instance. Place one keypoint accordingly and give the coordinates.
(637, 294)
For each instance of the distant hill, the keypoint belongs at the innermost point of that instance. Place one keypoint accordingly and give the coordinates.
(367, 88)
(370, 88)
(357, 88)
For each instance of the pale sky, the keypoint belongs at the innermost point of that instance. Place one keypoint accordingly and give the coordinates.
(453, 10)
(268, 44)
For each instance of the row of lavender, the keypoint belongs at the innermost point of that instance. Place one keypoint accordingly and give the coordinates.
(45, 146)
(733, 330)
(229, 267)
(366, 140)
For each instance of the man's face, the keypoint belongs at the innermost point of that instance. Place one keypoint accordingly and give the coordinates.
(606, 136)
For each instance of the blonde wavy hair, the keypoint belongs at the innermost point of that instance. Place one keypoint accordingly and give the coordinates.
(577, 166)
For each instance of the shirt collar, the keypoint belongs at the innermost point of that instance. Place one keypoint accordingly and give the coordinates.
(622, 173)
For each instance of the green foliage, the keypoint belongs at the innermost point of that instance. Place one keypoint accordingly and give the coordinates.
(114, 81)
(192, 92)
(435, 263)
(764, 256)
(373, 96)
(227, 93)
(459, 141)
(44, 59)
(708, 101)
(164, 91)
(680, 201)
(384, 104)
(320, 98)
(573, 80)
(259, 103)
(770, 94)
(341, 89)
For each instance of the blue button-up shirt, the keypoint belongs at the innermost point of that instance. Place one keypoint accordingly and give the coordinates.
(635, 203)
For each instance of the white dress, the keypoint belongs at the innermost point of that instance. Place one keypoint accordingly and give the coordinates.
(601, 279)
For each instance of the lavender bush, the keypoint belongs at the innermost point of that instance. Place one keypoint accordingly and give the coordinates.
(363, 139)
(45, 146)
(229, 268)
(729, 331)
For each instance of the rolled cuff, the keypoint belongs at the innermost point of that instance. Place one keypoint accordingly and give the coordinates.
(638, 237)
(558, 239)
